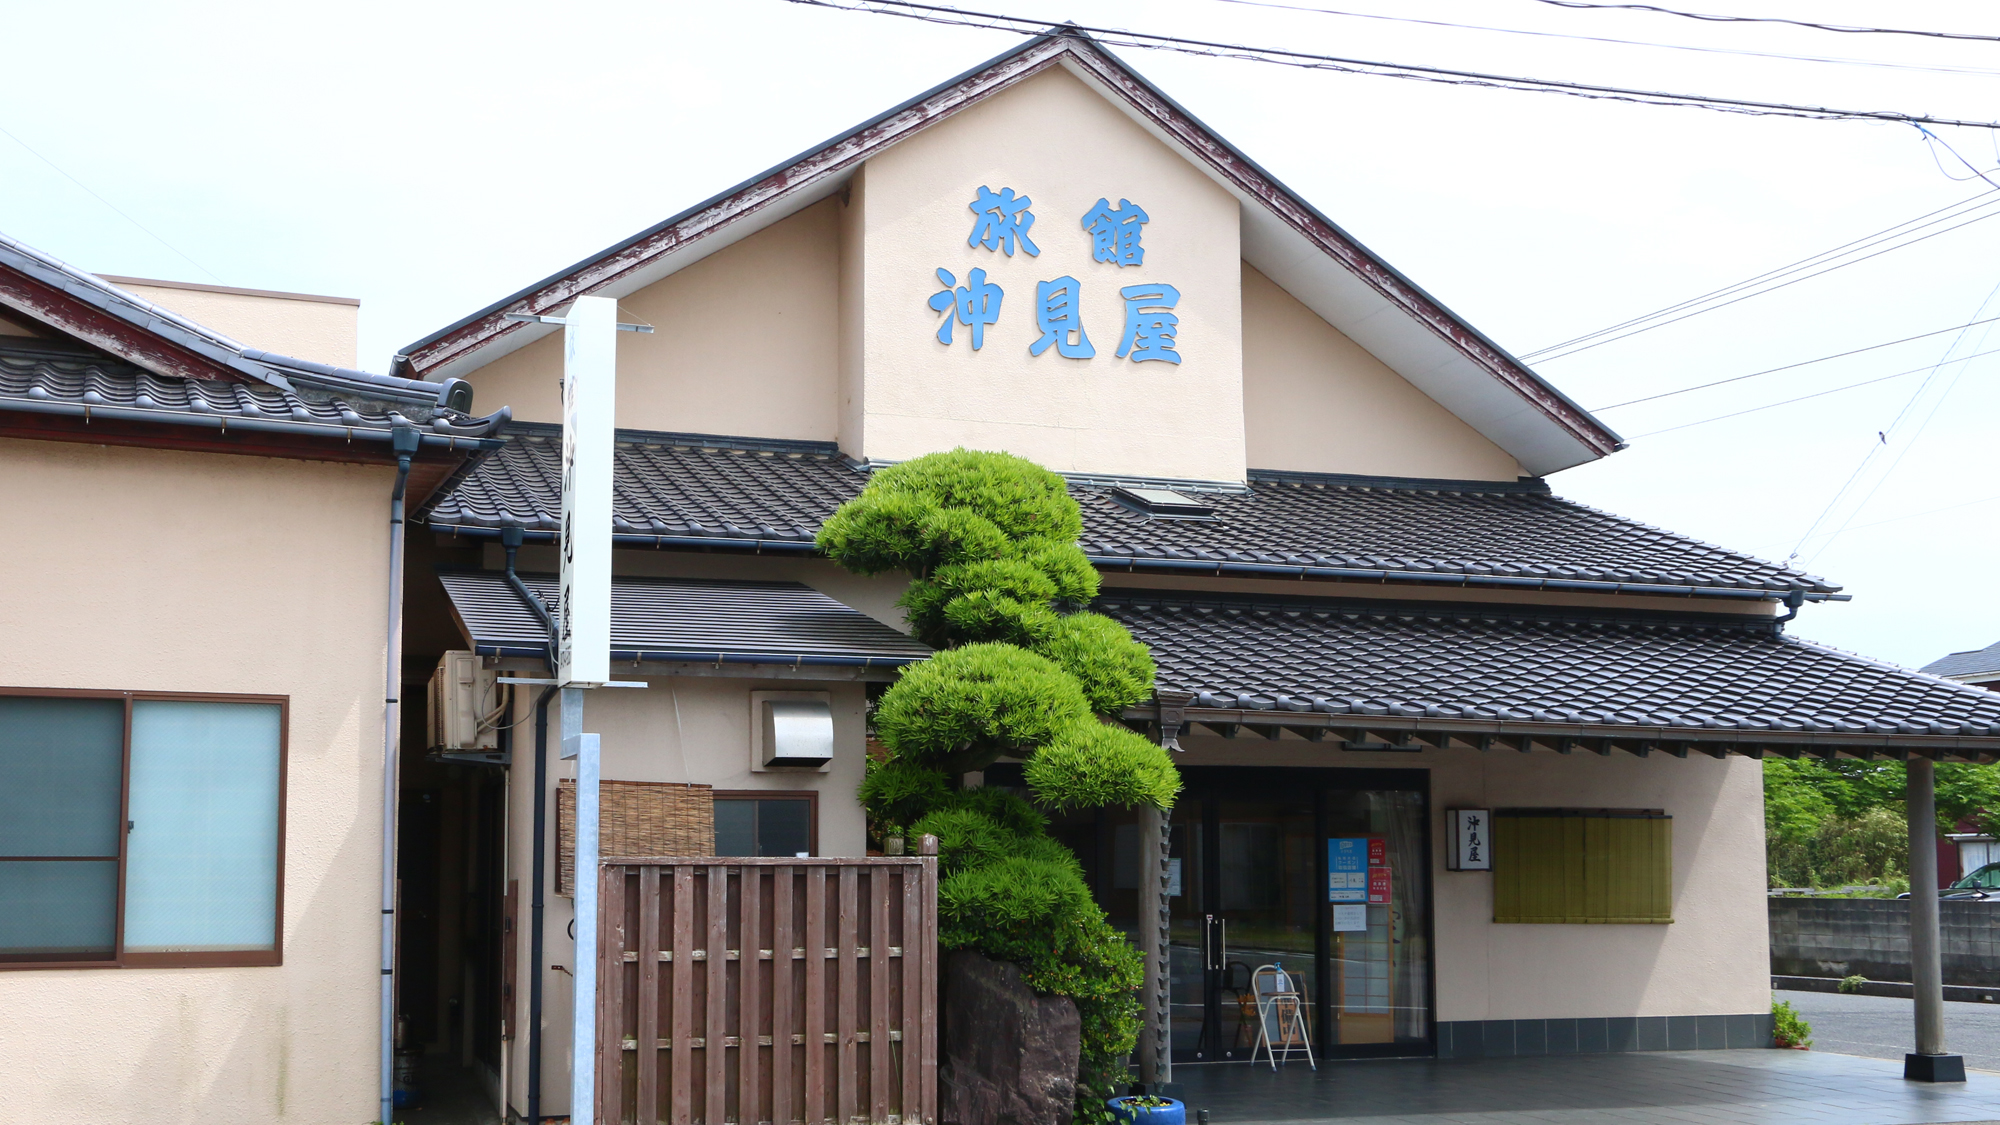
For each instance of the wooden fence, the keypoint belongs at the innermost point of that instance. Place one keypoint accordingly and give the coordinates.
(768, 991)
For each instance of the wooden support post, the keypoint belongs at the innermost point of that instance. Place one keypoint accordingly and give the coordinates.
(1928, 1063)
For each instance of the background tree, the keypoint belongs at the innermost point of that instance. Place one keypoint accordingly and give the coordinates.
(1024, 670)
(1842, 823)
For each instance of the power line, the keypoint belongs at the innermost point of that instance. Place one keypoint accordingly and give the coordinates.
(1933, 368)
(1846, 29)
(1930, 137)
(1620, 42)
(1892, 519)
(1915, 437)
(86, 187)
(1690, 307)
(1801, 363)
(1883, 443)
(939, 14)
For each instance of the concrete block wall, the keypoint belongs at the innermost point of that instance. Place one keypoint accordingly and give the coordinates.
(1839, 937)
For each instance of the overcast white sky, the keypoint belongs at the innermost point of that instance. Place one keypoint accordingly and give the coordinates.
(429, 158)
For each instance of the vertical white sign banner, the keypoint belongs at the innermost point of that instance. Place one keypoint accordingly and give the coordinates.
(583, 655)
(590, 373)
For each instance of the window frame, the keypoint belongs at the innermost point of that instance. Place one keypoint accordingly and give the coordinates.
(811, 796)
(121, 958)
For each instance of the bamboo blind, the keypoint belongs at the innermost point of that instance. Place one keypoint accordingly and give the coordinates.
(1583, 865)
(636, 818)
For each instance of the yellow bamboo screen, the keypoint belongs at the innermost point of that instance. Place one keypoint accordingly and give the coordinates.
(636, 818)
(1583, 865)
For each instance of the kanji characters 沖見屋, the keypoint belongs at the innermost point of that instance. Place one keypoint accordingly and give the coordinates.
(975, 304)
(1003, 220)
(1114, 232)
(1058, 318)
(1150, 325)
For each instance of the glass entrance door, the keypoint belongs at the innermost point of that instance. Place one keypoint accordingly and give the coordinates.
(1251, 885)
(1257, 852)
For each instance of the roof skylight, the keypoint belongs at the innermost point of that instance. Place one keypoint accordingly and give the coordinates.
(1163, 502)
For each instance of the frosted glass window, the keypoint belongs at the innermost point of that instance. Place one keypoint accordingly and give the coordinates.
(60, 761)
(202, 861)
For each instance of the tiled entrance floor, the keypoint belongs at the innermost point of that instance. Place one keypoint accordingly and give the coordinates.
(1746, 1087)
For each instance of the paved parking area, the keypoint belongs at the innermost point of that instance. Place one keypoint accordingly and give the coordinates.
(1748, 1087)
(1880, 1026)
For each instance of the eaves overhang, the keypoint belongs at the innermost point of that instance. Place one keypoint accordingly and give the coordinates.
(1393, 733)
(1449, 579)
(1284, 237)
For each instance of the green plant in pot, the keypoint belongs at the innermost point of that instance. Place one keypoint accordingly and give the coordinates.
(1024, 670)
(1146, 1109)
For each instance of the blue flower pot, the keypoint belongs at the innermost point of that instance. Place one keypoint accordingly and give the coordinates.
(1173, 1113)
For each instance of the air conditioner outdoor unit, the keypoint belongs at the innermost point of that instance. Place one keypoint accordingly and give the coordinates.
(463, 694)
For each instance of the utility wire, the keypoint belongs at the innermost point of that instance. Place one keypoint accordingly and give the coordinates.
(1690, 307)
(1847, 29)
(1620, 42)
(1883, 442)
(1932, 368)
(1762, 547)
(1933, 137)
(988, 21)
(121, 214)
(1915, 437)
(1801, 363)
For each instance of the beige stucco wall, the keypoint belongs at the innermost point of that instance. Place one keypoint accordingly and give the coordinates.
(1054, 140)
(321, 329)
(1315, 401)
(744, 341)
(1711, 961)
(133, 569)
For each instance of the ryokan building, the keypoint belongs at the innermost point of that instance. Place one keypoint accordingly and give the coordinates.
(1320, 496)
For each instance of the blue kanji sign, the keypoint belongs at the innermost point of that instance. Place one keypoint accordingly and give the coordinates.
(1003, 219)
(975, 304)
(1059, 318)
(1114, 232)
(1150, 324)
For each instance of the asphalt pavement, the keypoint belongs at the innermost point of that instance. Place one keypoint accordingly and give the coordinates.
(1881, 1027)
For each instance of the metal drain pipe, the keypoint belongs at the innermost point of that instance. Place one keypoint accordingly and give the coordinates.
(404, 441)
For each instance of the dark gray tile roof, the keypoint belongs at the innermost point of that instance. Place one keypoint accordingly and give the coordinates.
(1976, 662)
(414, 397)
(677, 619)
(1685, 673)
(57, 376)
(685, 489)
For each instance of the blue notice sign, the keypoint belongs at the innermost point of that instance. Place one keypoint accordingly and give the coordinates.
(1347, 869)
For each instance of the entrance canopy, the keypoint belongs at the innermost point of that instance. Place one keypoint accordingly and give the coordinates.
(1389, 675)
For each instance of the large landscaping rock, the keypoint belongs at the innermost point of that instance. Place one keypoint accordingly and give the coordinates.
(1010, 1056)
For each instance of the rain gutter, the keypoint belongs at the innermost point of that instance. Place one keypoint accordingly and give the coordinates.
(1496, 581)
(226, 422)
(713, 657)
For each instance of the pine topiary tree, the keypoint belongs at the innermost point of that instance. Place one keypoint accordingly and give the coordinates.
(999, 585)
